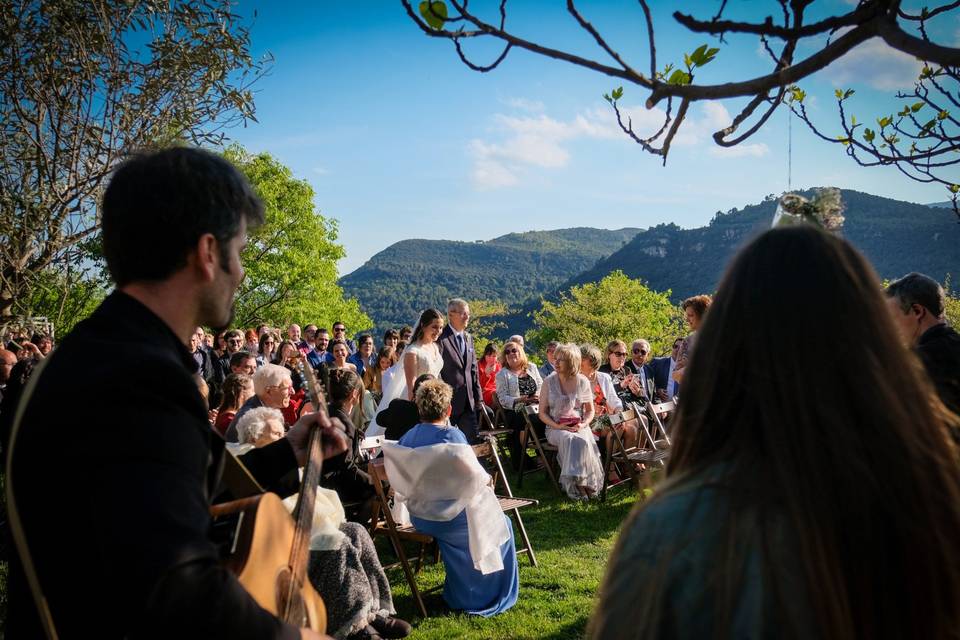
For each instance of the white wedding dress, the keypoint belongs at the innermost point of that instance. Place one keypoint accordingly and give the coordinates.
(428, 360)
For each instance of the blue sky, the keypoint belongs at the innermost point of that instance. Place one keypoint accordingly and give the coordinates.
(400, 140)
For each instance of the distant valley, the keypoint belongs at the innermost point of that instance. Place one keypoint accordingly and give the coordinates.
(521, 268)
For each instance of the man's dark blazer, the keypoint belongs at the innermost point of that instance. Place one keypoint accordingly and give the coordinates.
(939, 349)
(112, 471)
(661, 371)
(460, 372)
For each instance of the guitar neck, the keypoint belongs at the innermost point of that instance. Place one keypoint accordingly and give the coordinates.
(306, 502)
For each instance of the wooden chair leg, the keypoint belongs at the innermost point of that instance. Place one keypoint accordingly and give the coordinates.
(523, 535)
(411, 579)
(543, 458)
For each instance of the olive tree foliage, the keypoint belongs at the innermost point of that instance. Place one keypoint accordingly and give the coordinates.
(82, 83)
(485, 321)
(617, 307)
(922, 140)
(290, 260)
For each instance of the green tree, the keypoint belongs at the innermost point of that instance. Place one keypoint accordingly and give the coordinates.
(616, 307)
(291, 260)
(82, 82)
(953, 305)
(484, 321)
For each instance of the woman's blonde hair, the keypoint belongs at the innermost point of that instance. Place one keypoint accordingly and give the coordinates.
(433, 399)
(502, 358)
(570, 354)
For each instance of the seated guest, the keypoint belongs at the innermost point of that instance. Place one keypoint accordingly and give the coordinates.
(641, 369)
(517, 386)
(489, 367)
(236, 390)
(43, 342)
(606, 402)
(401, 345)
(667, 387)
(694, 311)
(437, 475)
(391, 337)
(344, 567)
(548, 366)
(363, 358)
(626, 384)
(272, 388)
(288, 356)
(253, 341)
(400, 415)
(566, 408)
(517, 338)
(812, 476)
(258, 428)
(342, 473)
(269, 342)
(918, 307)
(406, 332)
(373, 376)
(340, 353)
(340, 333)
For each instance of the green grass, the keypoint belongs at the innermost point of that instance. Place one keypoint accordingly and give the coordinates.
(572, 542)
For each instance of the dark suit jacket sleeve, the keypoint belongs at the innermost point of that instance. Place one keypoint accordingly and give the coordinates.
(475, 374)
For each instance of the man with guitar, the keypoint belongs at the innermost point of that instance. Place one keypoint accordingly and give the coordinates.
(112, 467)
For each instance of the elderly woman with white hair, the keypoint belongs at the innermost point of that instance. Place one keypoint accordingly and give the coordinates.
(258, 428)
(272, 387)
(566, 408)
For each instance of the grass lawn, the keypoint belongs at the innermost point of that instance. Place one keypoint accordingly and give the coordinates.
(572, 542)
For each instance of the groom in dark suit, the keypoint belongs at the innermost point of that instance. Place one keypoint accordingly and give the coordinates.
(460, 369)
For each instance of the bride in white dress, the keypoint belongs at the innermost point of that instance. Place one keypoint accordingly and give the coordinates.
(421, 356)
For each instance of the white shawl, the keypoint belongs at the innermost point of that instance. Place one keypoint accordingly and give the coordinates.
(439, 481)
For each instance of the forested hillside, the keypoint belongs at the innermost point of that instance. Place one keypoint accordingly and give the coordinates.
(403, 279)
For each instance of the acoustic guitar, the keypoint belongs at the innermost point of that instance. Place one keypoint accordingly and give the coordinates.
(270, 551)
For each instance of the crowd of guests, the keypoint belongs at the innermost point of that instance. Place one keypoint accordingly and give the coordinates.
(764, 403)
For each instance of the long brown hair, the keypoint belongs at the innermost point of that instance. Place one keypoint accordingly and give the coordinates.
(829, 448)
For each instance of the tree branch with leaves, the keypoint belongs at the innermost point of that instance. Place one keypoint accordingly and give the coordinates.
(84, 82)
(924, 143)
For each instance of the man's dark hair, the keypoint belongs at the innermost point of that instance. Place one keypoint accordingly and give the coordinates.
(916, 288)
(363, 337)
(391, 333)
(233, 333)
(425, 377)
(239, 357)
(159, 203)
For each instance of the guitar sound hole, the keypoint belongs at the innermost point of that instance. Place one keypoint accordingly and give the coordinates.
(294, 611)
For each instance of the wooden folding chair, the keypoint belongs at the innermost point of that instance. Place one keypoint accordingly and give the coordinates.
(540, 445)
(658, 432)
(617, 455)
(382, 523)
(490, 426)
(509, 504)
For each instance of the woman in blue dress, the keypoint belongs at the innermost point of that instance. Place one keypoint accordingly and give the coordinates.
(466, 588)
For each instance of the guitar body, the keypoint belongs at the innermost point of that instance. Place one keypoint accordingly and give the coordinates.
(261, 560)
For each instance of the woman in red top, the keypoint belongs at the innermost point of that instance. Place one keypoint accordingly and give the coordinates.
(489, 366)
(237, 389)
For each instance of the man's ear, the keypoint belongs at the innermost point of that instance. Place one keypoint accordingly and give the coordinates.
(918, 310)
(207, 256)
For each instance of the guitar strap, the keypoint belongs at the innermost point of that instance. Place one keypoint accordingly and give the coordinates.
(16, 526)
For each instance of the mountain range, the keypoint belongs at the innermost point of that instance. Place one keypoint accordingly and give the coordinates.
(521, 268)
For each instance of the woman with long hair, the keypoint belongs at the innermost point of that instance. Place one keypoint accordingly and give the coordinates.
(269, 341)
(421, 356)
(237, 388)
(488, 368)
(813, 487)
(373, 376)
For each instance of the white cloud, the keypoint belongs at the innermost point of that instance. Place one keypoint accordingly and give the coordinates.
(876, 64)
(742, 150)
(526, 142)
(524, 104)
